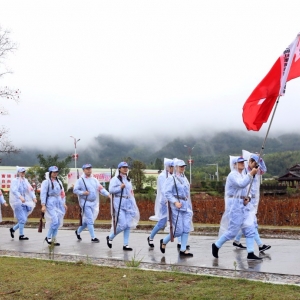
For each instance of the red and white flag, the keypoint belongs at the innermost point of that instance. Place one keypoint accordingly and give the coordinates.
(259, 105)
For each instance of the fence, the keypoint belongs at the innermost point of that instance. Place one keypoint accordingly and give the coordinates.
(273, 210)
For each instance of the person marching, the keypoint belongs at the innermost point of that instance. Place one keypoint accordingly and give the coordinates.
(238, 209)
(177, 192)
(253, 162)
(2, 202)
(161, 208)
(87, 188)
(124, 206)
(22, 199)
(53, 201)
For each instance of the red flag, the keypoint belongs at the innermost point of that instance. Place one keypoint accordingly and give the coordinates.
(259, 105)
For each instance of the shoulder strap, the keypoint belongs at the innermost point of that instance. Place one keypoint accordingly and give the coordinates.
(59, 182)
(84, 183)
(120, 178)
(48, 192)
(176, 189)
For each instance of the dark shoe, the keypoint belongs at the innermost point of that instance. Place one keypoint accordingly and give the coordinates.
(252, 256)
(109, 242)
(95, 240)
(264, 248)
(240, 246)
(49, 242)
(150, 242)
(12, 233)
(179, 246)
(215, 250)
(163, 250)
(186, 254)
(126, 248)
(78, 235)
(23, 238)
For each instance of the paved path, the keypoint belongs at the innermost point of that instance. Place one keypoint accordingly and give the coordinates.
(282, 258)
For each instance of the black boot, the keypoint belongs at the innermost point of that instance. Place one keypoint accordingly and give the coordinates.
(240, 246)
(23, 238)
(49, 241)
(186, 254)
(215, 250)
(150, 242)
(108, 241)
(78, 235)
(126, 248)
(163, 250)
(252, 256)
(12, 233)
(264, 248)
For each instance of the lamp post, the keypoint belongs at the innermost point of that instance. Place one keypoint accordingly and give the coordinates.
(217, 173)
(190, 160)
(75, 144)
(111, 170)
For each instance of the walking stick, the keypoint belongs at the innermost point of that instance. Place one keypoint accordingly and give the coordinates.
(40, 229)
(82, 212)
(178, 210)
(113, 214)
(119, 207)
(171, 223)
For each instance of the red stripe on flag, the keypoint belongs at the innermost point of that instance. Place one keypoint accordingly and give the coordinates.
(258, 106)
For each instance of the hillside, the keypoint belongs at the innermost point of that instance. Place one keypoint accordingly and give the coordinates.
(105, 151)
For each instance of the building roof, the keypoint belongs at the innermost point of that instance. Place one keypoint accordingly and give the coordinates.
(290, 176)
(295, 168)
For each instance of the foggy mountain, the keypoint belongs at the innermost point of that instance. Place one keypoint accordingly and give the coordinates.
(107, 151)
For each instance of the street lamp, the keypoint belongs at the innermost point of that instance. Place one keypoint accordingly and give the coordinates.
(217, 173)
(190, 160)
(111, 170)
(75, 143)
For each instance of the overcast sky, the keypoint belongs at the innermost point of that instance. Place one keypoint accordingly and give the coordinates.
(142, 68)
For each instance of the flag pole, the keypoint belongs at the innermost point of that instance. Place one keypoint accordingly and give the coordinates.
(269, 127)
(264, 142)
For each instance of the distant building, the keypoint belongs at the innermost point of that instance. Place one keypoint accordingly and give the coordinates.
(292, 177)
(7, 174)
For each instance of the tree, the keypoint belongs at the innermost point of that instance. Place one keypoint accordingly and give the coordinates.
(151, 180)
(129, 160)
(137, 175)
(159, 164)
(36, 174)
(33, 174)
(6, 47)
(49, 161)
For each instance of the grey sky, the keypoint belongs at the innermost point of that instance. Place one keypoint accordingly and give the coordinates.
(140, 68)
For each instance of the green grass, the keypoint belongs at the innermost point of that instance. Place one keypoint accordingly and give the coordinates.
(22, 278)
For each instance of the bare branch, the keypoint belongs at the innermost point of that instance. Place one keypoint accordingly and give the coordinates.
(3, 111)
(6, 45)
(10, 94)
(3, 131)
(6, 145)
(4, 73)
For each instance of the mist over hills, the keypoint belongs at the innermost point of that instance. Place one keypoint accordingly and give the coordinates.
(107, 151)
